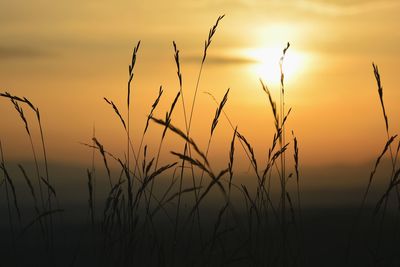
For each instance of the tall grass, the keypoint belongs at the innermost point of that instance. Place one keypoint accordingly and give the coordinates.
(377, 249)
(157, 214)
(131, 216)
(46, 210)
(141, 224)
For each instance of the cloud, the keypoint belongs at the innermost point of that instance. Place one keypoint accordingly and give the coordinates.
(324, 7)
(220, 60)
(20, 52)
(342, 7)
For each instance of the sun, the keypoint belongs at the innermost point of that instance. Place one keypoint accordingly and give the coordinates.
(266, 63)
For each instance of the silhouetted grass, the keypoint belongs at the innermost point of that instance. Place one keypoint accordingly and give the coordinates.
(379, 222)
(155, 215)
(46, 220)
(129, 223)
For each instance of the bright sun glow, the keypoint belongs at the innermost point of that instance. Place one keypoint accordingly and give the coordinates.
(266, 63)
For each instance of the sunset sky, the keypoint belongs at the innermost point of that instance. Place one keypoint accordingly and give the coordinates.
(65, 56)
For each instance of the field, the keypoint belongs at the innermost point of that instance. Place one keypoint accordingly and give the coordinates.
(141, 210)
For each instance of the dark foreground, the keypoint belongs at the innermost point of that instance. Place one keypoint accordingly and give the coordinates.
(323, 238)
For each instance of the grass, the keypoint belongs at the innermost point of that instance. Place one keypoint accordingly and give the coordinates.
(156, 215)
(378, 251)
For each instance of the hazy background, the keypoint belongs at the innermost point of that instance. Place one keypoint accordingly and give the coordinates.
(65, 56)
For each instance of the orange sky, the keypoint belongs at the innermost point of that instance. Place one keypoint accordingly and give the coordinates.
(67, 55)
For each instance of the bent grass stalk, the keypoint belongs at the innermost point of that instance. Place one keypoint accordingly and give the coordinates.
(48, 225)
(213, 126)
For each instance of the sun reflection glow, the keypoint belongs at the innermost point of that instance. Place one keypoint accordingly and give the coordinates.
(266, 63)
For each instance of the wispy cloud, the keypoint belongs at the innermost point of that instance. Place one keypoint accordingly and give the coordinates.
(220, 60)
(342, 7)
(325, 7)
(20, 52)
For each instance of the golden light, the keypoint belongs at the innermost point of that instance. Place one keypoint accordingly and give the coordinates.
(266, 63)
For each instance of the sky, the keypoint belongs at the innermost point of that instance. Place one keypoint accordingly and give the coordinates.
(65, 56)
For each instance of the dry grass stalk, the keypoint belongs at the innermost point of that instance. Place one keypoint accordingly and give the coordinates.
(218, 111)
(167, 124)
(392, 183)
(187, 148)
(273, 105)
(283, 159)
(296, 168)
(195, 162)
(291, 207)
(131, 74)
(15, 100)
(210, 35)
(251, 151)
(103, 154)
(206, 46)
(281, 67)
(148, 167)
(273, 160)
(111, 203)
(131, 66)
(111, 103)
(182, 135)
(395, 181)
(173, 196)
(215, 180)
(130, 145)
(96, 147)
(144, 159)
(217, 225)
(129, 190)
(231, 158)
(11, 184)
(380, 92)
(90, 200)
(252, 202)
(153, 107)
(29, 183)
(10, 217)
(213, 126)
(21, 114)
(169, 114)
(152, 176)
(39, 218)
(231, 124)
(50, 187)
(178, 71)
(372, 174)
